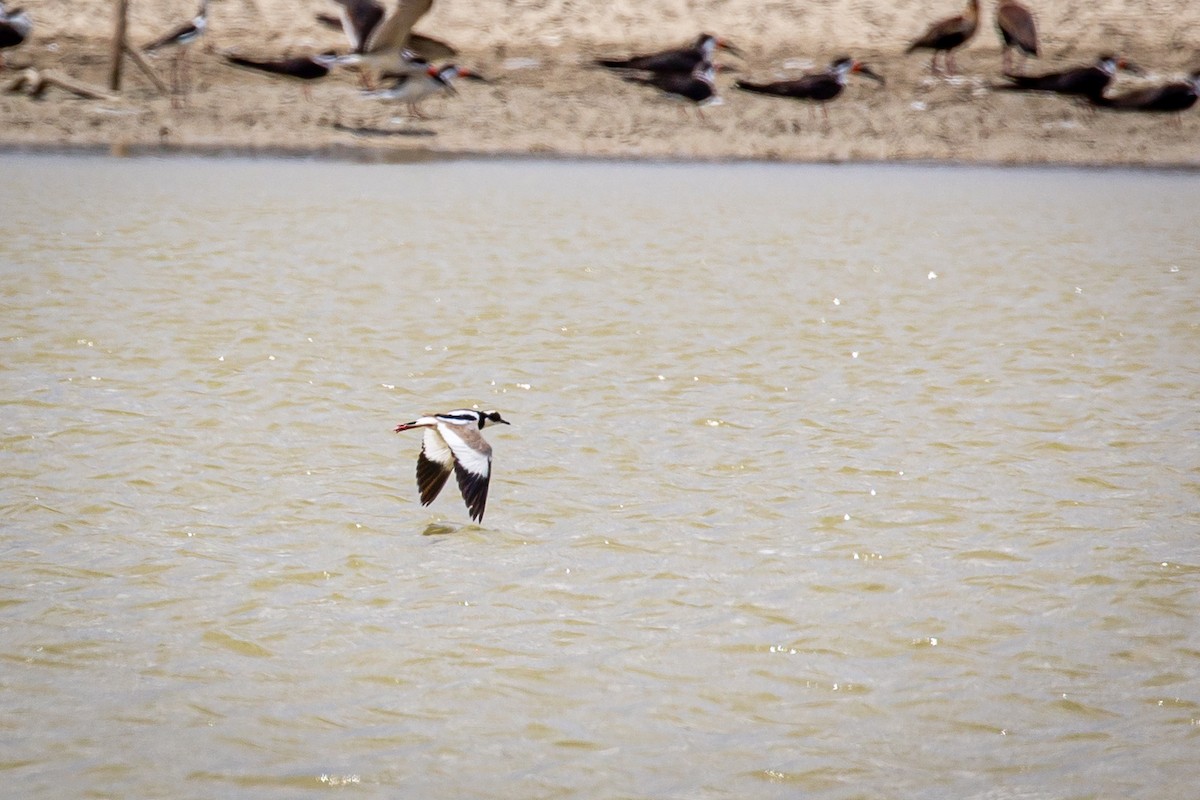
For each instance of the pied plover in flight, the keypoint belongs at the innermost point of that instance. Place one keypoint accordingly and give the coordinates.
(453, 443)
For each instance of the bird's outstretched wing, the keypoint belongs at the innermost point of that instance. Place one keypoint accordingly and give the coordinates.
(434, 465)
(394, 31)
(472, 465)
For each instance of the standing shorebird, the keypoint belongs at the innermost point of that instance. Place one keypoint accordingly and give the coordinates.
(818, 87)
(947, 35)
(180, 38)
(1017, 30)
(680, 60)
(1170, 97)
(15, 27)
(412, 88)
(1087, 82)
(452, 443)
(698, 87)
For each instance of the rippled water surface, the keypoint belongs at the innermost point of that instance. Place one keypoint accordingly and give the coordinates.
(828, 482)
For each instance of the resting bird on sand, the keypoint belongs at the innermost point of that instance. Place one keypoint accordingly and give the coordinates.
(697, 87)
(680, 60)
(1088, 82)
(947, 35)
(819, 87)
(302, 68)
(1017, 30)
(1169, 97)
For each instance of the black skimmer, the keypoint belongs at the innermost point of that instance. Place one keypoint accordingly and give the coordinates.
(180, 38)
(303, 68)
(947, 35)
(1017, 30)
(15, 27)
(452, 443)
(819, 87)
(679, 60)
(413, 88)
(698, 87)
(1169, 97)
(1088, 82)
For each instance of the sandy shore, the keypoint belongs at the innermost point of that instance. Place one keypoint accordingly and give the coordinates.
(546, 98)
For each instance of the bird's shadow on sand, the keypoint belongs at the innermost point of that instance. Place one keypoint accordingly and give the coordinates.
(362, 130)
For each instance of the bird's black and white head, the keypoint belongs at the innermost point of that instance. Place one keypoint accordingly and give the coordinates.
(471, 416)
(708, 45)
(843, 67)
(491, 418)
(449, 72)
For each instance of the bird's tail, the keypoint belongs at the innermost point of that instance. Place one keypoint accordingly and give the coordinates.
(249, 63)
(747, 86)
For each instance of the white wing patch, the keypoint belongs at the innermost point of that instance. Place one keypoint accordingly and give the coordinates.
(435, 449)
(468, 447)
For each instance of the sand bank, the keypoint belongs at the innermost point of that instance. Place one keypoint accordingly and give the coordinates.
(546, 98)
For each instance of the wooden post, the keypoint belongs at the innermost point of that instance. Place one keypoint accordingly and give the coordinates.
(118, 47)
(121, 47)
(140, 62)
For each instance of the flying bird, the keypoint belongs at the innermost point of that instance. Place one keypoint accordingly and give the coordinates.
(947, 35)
(452, 443)
(680, 60)
(1017, 30)
(1087, 82)
(358, 20)
(819, 87)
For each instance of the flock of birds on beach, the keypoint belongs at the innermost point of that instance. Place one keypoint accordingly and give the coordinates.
(396, 63)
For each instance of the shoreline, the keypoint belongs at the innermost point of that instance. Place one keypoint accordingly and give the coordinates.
(353, 155)
(546, 100)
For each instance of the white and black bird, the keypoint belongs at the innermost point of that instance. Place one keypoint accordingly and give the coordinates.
(452, 443)
(413, 88)
(682, 60)
(818, 87)
(15, 27)
(180, 38)
(186, 33)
